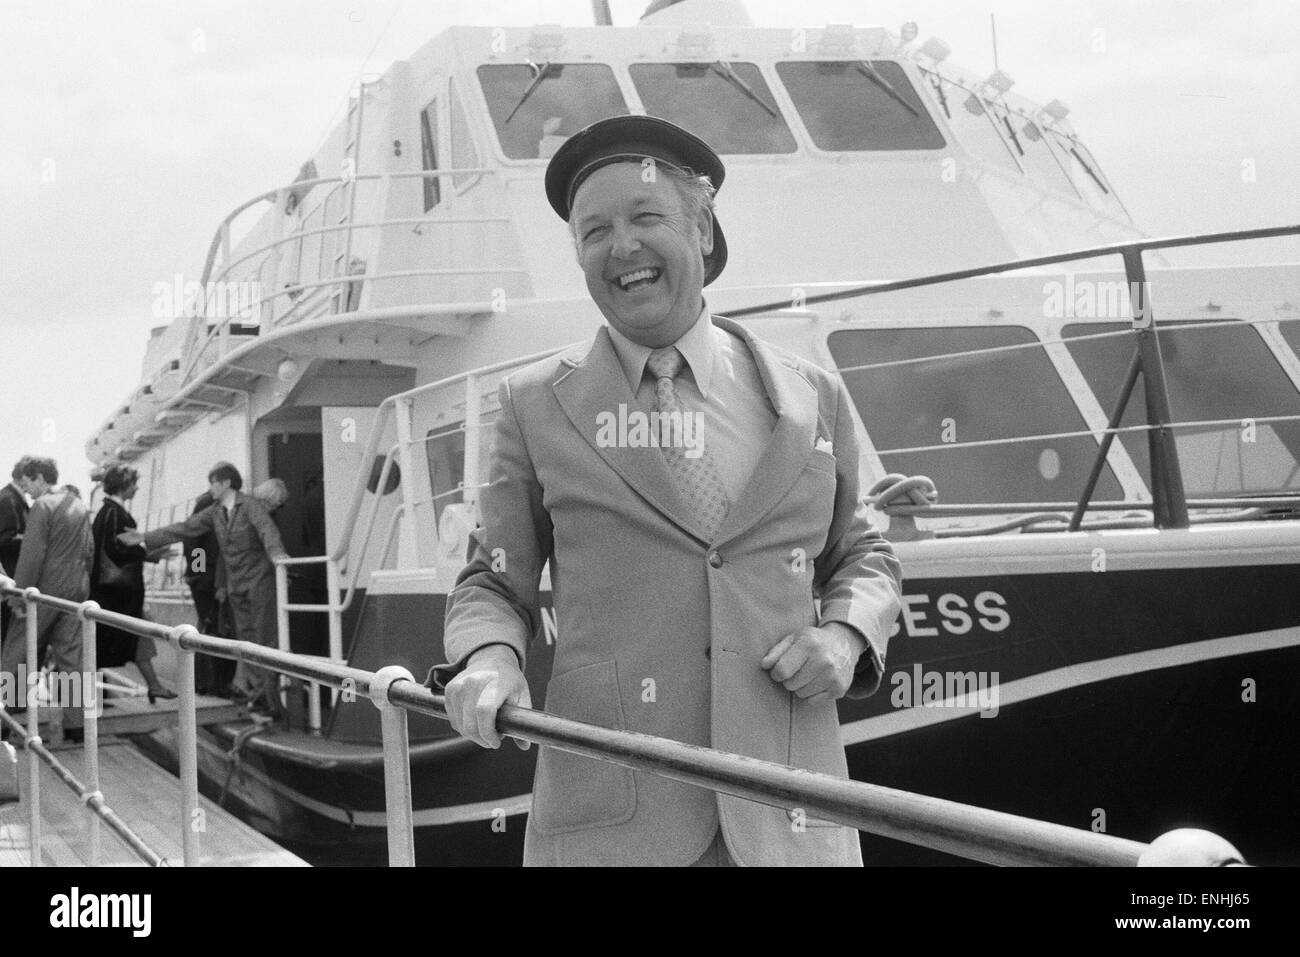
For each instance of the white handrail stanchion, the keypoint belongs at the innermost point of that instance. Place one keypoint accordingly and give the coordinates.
(473, 413)
(90, 716)
(187, 741)
(409, 547)
(397, 767)
(33, 725)
(282, 621)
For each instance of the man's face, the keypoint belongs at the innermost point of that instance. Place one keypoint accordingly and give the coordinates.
(36, 486)
(217, 488)
(629, 218)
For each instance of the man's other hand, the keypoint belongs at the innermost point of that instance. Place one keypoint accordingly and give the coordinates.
(491, 678)
(131, 539)
(817, 664)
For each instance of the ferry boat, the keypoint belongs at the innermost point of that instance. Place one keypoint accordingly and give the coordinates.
(1102, 619)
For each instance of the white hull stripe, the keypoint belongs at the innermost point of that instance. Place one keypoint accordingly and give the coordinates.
(1071, 676)
(433, 816)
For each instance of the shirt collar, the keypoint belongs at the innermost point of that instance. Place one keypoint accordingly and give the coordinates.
(695, 345)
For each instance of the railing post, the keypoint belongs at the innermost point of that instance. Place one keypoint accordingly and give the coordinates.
(1168, 497)
(33, 725)
(335, 616)
(410, 551)
(90, 717)
(397, 767)
(473, 413)
(282, 620)
(187, 746)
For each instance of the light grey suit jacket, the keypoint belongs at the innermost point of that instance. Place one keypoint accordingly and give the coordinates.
(660, 630)
(58, 548)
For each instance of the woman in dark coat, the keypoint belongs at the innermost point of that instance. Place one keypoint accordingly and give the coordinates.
(113, 646)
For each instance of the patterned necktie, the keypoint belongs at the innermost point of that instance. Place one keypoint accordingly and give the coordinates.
(696, 478)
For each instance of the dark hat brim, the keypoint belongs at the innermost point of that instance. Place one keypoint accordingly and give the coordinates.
(628, 139)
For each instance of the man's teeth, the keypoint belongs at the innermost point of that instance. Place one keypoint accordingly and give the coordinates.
(639, 278)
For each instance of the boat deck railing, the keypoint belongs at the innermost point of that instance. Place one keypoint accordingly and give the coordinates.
(978, 834)
(274, 298)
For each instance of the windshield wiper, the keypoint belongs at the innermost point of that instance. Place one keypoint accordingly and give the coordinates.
(536, 82)
(1006, 121)
(1088, 169)
(943, 97)
(725, 70)
(869, 71)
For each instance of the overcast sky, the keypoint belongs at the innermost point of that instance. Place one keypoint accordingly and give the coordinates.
(129, 130)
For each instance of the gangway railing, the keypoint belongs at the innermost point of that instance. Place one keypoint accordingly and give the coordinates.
(979, 834)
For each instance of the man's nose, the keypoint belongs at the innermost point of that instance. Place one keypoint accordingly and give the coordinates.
(624, 241)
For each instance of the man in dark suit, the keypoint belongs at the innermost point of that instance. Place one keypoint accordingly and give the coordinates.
(13, 521)
(202, 556)
(715, 575)
(250, 545)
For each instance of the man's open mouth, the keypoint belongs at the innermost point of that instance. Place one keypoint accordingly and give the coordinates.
(638, 278)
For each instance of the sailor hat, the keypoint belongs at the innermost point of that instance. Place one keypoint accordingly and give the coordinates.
(632, 139)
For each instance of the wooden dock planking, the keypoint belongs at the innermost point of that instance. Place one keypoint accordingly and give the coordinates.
(143, 795)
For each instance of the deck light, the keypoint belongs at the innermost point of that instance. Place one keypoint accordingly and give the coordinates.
(838, 39)
(1057, 110)
(999, 82)
(694, 43)
(545, 42)
(287, 370)
(935, 49)
(907, 33)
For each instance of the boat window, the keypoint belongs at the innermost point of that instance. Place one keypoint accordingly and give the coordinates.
(1037, 155)
(446, 451)
(859, 105)
(971, 120)
(464, 154)
(1211, 373)
(1290, 332)
(728, 104)
(309, 247)
(966, 398)
(429, 154)
(535, 109)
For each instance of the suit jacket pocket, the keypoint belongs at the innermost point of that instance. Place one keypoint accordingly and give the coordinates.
(572, 792)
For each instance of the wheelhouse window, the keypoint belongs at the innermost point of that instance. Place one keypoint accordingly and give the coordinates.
(853, 105)
(446, 452)
(953, 398)
(535, 108)
(429, 154)
(1211, 373)
(464, 154)
(1085, 173)
(728, 104)
(972, 120)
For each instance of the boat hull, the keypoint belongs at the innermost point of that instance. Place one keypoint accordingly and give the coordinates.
(1131, 702)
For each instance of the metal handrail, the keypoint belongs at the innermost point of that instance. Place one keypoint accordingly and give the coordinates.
(1095, 252)
(977, 833)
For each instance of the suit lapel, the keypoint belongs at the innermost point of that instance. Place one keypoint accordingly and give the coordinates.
(596, 385)
(791, 444)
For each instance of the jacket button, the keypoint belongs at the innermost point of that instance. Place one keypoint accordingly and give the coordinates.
(715, 559)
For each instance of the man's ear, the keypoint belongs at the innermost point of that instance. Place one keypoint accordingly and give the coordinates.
(705, 226)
